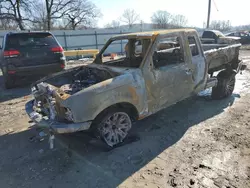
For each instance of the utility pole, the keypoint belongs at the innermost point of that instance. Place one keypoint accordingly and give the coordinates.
(208, 14)
(141, 25)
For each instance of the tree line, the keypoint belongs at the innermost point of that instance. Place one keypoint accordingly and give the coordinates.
(80, 14)
(160, 19)
(71, 14)
(47, 14)
(221, 25)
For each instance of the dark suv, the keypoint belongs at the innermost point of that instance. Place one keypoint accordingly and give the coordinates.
(30, 54)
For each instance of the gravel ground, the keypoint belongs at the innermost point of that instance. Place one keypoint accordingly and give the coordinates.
(196, 143)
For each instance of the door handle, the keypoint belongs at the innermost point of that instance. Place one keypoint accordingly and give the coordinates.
(188, 71)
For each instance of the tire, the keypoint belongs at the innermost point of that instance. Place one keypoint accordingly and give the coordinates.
(107, 128)
(225, 85)
(9, 82)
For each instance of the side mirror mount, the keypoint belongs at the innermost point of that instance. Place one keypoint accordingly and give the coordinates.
(98, 59)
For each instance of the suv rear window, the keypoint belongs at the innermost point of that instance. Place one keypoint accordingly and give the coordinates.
(30, 39)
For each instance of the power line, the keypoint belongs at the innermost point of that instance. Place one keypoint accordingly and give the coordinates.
(215, 6)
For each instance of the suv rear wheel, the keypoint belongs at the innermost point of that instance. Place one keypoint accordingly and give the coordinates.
(9, 82)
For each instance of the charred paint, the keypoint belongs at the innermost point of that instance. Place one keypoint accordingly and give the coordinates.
(134, 95)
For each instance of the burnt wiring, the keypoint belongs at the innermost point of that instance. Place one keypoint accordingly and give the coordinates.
(85, 78)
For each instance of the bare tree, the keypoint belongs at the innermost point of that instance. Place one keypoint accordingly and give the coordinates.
(56, 9)
(113, 24)
(8, 24)
(204, 25)
(16, 11)
(242, 27)
(82, 12)
(222, 25)
(62, 24)
(39, 16)
(130, 17)
(108, 26)
(162, 19)
(179, 21)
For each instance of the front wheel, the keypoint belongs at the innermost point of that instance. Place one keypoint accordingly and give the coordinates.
(225, 85)
(114, 126)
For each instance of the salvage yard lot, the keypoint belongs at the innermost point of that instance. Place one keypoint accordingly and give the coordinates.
(196, 143)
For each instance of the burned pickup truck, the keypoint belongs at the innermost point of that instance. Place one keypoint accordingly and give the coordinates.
(107, 95)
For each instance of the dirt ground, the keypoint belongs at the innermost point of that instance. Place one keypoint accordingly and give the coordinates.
(196, 143)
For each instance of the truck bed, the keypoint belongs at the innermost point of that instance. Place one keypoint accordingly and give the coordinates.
(218, 56)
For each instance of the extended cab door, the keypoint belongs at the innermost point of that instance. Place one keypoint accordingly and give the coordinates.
(169, 76)
(198, 64)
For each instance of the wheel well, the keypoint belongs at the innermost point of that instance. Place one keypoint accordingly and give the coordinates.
(226, 73)
(130, 108)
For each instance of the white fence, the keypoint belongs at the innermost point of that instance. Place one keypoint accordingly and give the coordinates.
(88, 39)
(85, 39)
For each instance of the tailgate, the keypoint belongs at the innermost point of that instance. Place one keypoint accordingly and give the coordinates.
(218, 58)
(33, 49)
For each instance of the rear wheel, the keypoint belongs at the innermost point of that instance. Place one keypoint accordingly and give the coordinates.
(9, 82)
(225, 86)
(113, 126)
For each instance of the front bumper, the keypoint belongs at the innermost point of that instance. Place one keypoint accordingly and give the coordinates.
(57, 127)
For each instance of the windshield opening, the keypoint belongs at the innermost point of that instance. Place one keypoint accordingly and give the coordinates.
(126, 52)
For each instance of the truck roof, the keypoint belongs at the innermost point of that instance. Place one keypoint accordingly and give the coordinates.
(152, 34)
(211, 30)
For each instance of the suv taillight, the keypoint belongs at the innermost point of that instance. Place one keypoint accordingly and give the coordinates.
(11, 53)
(57, 49)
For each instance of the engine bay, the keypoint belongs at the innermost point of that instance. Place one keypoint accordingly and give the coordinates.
(62, 86)
(82, 79)
(74, 81)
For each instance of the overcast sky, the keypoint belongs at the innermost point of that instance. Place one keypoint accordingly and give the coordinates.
(195, 10)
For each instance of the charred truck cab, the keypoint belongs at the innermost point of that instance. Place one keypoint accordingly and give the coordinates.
(157, 70)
